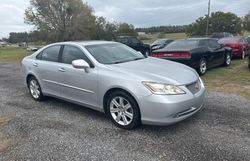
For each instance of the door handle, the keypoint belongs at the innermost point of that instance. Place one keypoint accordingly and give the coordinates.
(35, 64)
(61, 70)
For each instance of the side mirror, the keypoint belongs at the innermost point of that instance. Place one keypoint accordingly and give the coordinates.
(81, 64)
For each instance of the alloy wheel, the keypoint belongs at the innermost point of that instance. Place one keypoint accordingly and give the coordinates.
(34, 89)
(243, 55)
(121, 111)
(203, 66)
(228, 59)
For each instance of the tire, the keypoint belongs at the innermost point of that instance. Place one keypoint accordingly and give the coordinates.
(243, 55)
(146, 53)
(202, 67)
(227, 61)
(123, 110)
(35, 89)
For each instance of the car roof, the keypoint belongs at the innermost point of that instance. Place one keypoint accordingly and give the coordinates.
(199, 38)
(85, 43)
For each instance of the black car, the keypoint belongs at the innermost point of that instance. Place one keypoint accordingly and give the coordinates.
(198, 53)
(160, 43)
(219, 35)
(135, 43)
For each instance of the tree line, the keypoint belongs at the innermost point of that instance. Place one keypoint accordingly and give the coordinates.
(67, 20)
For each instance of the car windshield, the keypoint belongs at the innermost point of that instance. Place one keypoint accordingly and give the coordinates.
(183, 44)
(160, 41)
(113, 53)
(229, 40)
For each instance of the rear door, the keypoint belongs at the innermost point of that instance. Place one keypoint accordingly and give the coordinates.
(46, 68)
(78, 85)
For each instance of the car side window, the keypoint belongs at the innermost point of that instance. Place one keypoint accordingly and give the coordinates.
(71, 53)
(135, 41)
(123, 40)
(213, 44)
(50, 54)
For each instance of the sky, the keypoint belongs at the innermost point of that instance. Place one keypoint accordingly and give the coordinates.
(140, 13)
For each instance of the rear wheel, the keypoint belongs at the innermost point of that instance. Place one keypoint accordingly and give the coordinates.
(202, 67)
(123, 110)
(146, 53)
(243, 55)
(35, 89)
(227, 60)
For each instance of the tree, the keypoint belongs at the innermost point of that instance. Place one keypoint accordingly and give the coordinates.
(247, 22)
(109, 31)
(125, 29)
(18, 37)
(219, 22)
(62, 19)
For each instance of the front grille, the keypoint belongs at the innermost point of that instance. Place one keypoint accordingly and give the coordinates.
(194, 87)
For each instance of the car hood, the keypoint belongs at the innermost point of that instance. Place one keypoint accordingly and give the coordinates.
(157, 70)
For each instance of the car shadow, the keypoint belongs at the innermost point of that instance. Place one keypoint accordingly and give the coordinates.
(99, 116)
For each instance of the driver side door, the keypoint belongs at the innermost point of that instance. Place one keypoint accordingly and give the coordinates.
(217, 52)
(77, 84)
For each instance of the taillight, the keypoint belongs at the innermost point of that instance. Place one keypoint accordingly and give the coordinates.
(234, 46)
(175, 55)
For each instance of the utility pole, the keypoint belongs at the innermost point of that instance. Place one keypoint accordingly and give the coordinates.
(208, 15)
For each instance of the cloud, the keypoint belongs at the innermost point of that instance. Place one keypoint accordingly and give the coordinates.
(12, 17)
(141, 13)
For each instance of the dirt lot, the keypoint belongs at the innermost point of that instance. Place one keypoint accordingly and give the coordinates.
(56, 130)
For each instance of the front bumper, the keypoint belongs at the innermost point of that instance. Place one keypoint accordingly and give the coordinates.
(169, 109)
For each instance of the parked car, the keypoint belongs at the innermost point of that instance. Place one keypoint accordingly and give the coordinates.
(160, 43)
(135, 43)
(219, 35)
(198, 53)
(32, 48)
(113, 78)
(239, 45)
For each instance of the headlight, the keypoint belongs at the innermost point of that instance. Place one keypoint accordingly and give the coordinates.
(163, 89)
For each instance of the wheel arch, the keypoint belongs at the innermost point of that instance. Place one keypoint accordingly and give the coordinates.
(113, 89)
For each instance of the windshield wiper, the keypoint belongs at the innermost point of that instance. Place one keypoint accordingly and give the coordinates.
(124, 61)
(139, 58)
(118, 62)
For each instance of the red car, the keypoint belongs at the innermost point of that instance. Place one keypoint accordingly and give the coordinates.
(239, 45)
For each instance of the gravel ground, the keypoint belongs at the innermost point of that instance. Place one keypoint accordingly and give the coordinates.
(57, 130)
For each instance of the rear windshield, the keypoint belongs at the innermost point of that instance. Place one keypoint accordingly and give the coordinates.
(183, 44)
(159, 42)
(218, 35)
(229, 40)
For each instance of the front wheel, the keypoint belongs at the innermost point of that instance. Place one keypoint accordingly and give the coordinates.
(227, 60)
(123, 110)
(202, 67)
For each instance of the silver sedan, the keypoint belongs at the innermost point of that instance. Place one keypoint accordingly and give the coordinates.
(115, 79)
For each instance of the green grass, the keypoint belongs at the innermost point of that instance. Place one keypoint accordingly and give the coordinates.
(154, 37)
(234, 79)
(12, 54)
